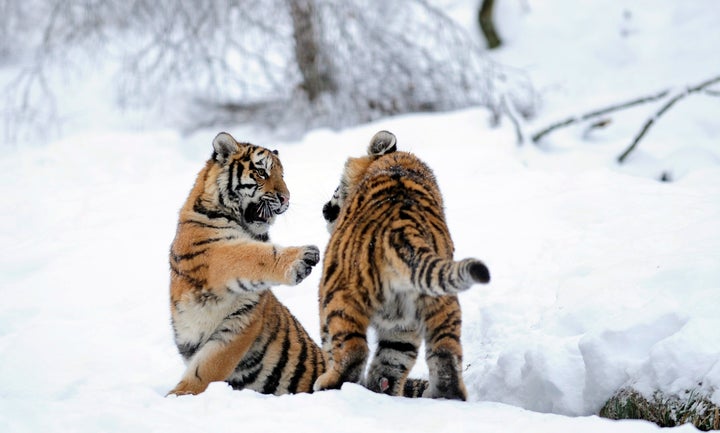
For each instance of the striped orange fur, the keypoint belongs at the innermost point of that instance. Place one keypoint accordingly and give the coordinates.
(228, 326)
(389, 265)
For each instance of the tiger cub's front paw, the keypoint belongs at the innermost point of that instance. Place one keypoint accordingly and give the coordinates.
(186, 387)
(309, 256)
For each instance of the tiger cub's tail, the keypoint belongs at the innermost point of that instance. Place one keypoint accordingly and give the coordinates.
(434, 275)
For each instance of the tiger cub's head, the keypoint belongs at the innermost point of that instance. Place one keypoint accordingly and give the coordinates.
(249, 182)
(382, 143)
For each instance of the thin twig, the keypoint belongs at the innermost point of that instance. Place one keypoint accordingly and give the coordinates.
(663, 109)
(512, 114)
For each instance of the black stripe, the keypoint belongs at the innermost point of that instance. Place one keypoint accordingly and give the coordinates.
(315, 365)
(196, 268)
(272, 382)
(248, 185)
(243, 286)
(434, 336)
(351, 368)
(428, 271)
(329, 295)
(211, 240)
(243, 310)
(257, 356)
(442, 354)
(444, 335)
(218, 334)
(253, 375)
(195, 282)
(213, 214)
(187, 350)
(330, 271)
(341, 314)
(300, 368)
(393, 365)
(206, 225)
(250, 360)
(397, 346)
(441, 279)
(347, 336)
(440, 308)
(188, 256)
(233, 177)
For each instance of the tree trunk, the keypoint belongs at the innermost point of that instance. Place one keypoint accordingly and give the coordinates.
(485, 19)
(315, 68)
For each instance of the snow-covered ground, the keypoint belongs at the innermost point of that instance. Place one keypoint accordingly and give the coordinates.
(603, 277)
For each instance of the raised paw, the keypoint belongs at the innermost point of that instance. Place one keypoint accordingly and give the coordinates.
(301, 268)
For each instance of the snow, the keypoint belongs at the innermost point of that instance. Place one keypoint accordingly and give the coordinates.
(603, 277)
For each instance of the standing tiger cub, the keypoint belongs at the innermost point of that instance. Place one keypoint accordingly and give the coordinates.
(389, 265)
(228, 326)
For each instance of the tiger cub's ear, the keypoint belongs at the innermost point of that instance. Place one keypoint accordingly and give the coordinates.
(382, 143)
(224, 145)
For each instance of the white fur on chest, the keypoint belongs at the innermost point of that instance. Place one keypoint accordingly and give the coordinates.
(196, 322)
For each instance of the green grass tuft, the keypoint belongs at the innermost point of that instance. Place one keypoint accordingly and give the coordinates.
(664, 410)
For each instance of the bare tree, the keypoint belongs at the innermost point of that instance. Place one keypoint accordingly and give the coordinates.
(282, 62)
(487, 24)
(315, 68)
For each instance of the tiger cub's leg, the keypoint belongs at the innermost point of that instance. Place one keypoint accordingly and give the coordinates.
(259, 261)
(217, 358)
(344, 341)
(394, 358)
(443, 351)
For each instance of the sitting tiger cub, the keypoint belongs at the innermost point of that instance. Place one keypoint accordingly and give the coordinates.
(389, 264)
(228, 326)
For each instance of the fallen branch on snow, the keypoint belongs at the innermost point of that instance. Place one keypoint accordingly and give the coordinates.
(632, 103)
(663, 109)
(623, 105)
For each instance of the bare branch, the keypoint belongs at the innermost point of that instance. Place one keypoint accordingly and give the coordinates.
(615, 107)
(513, 115)
(663, 109)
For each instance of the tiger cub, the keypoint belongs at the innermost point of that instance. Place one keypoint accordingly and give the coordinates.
(389, 265)
(228, 326)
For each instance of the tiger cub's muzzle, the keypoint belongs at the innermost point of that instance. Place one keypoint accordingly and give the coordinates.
(269, 205)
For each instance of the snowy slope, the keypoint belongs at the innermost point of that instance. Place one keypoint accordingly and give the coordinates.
(602, 276)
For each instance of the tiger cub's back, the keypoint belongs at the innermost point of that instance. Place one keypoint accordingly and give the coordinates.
(389, 265)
